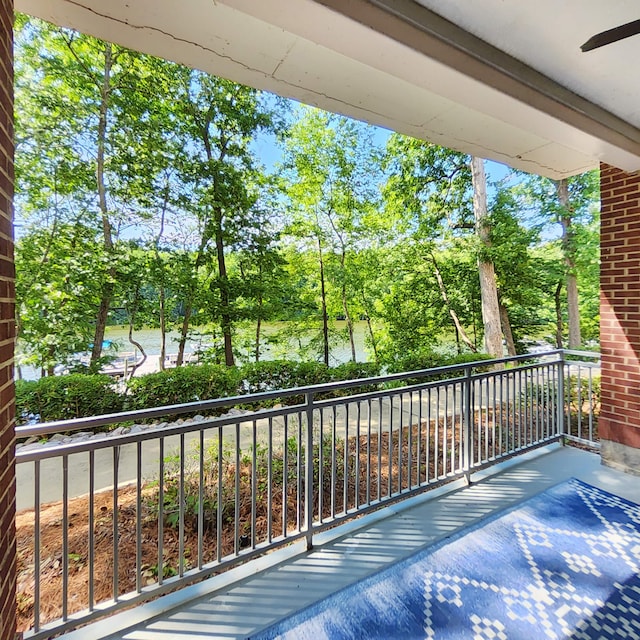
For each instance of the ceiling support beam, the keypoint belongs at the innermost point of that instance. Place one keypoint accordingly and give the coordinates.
(419, 28)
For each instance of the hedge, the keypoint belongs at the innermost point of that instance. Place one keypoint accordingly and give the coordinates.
(179, 385)
(78, 395)
(65, 397)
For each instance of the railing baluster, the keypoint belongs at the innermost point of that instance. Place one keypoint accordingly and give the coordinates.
(285, 477)
(236, 492)
(138, 517)
(357, 465)
(369, 451)
(445, 433)
(91, 539)
(345, 463)
(270, 481)
(459, 419)
(36, 546)
(320, 466)
(219, 495)
(455, 431)
(161, 514)
(254, 488)
(390, 456)
(299, 471)
(428, 442)
(201, 502)
(379, 487)
(65, 536)
(560, 426)
(333, 464)
(309, 472)
(579, 399)
(436, 438)
(181, 509)
(116, 534)
(590, 398)
(468, 418)
(410, 444)
(400, 441)
(419, 443)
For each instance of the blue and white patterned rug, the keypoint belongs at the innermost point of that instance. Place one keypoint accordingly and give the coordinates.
(563, 564)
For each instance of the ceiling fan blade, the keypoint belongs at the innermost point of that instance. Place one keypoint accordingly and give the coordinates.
(612, 35)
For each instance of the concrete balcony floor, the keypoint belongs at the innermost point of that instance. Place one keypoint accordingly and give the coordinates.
(251, 597)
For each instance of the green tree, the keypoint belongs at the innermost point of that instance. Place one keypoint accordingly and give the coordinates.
(83, 136)
(569, 204)
(59, 271)
(217, 122)
(330, 183)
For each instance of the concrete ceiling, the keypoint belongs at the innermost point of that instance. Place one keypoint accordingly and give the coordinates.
(501, 79)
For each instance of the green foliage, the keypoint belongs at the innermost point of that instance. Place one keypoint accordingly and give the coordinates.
(355, 370)
(77, 395)
(270, 375)
(288, 374)
(58, 272)
(66, 397)
(182, 384)
(427, 359)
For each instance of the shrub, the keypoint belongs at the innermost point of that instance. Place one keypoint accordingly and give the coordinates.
(190, 383)
(66, 397)
(271, 375)
(355, 370)
(429, 360)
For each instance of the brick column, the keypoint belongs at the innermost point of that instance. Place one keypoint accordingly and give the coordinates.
(7, 395)
(620, 318)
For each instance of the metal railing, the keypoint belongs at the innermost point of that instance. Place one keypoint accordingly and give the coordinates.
(581, 392)
(106, 521)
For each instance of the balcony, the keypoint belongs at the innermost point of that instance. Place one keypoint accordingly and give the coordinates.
(318, 487)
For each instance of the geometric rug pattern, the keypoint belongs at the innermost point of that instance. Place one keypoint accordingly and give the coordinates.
(563, 564)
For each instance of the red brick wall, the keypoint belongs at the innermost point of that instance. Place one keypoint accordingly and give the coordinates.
(7, 476)
(620, 306)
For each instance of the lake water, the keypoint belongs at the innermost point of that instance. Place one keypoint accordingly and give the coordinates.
(289, 347)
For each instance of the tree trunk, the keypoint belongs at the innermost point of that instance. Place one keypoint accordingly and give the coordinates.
(135, 343)
(107, 289)
(163, 330)
(258, 327)
(184, 329)
(225, 298)
(506, 329)
(372, 337)
(161, 291)
(325, 317)
(488, 287)
(559, 324)
(188, 308)
(568, 250)
(460, 332)
(345, 308)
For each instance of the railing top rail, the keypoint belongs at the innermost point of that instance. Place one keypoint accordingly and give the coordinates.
(90, 422)
(110, 441)
(582, 354)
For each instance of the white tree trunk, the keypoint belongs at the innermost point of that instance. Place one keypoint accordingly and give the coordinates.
(488, 287)
(573, 308)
